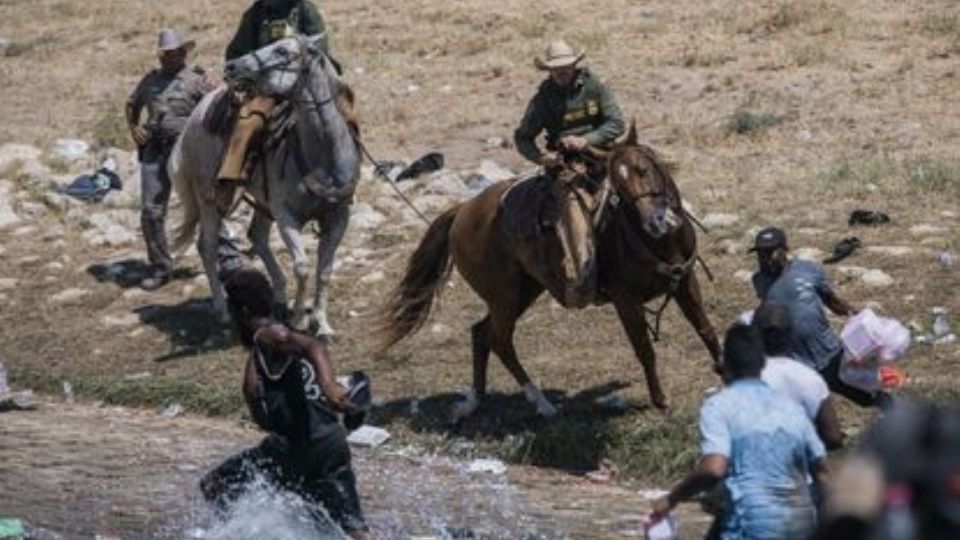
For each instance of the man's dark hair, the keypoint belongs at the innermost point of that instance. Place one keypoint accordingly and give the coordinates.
(743, 352)
(774, 323)
(248, 297)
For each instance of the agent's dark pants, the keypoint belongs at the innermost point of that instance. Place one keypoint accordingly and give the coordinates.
(154, 198)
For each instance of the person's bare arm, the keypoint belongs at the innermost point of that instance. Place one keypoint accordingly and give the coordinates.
(711, 469)
(828, 425)
(838, 305)
(316, 352)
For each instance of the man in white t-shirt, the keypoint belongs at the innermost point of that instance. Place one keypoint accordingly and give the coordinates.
(793, 379)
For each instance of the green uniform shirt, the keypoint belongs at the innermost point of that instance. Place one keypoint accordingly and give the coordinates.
(587, 109)
(262, 25)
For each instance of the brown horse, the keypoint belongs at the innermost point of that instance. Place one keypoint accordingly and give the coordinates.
(645, 248)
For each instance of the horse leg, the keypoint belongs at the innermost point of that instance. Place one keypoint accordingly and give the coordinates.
(290, 233)
(480, 340)
(691, 304)
(332, 229)
(207, 245)
(633, 321)
(259, 235)
(503, 322)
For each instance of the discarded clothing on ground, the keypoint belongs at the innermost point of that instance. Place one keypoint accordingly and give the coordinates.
(93, 187)
(867, 217)
(843, 249)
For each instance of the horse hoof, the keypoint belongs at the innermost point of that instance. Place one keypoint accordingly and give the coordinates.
(660, 403)
(463, 409)
(324, 330)
(546, 410)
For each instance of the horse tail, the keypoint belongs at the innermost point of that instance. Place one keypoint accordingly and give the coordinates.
(408, 305)
(186, 192)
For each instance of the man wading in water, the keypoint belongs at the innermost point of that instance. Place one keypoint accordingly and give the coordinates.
(291, 393)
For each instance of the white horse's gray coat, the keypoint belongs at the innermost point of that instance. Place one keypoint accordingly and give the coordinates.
(295, 69)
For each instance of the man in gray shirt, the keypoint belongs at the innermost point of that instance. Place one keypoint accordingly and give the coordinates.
(802, 288)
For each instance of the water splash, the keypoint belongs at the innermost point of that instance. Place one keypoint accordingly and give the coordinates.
(265, 512)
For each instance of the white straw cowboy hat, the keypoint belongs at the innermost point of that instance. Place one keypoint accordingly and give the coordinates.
(170, 39)
(558, 54)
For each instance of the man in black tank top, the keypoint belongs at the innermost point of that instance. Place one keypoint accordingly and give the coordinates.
(291, 393)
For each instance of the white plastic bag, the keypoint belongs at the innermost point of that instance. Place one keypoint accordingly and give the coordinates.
(661, 528)
(867, 335)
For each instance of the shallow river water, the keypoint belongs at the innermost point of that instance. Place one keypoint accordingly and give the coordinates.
(83, 471)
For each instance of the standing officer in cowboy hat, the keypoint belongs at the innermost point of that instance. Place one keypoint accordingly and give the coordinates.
(169, 94)
(574, 108)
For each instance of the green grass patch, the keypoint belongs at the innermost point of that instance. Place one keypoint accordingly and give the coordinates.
(197, 397)
(660, 448)
(933, 176)
(745, 122)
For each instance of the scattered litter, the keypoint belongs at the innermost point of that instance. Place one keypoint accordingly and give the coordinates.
(172, 410)
(605, 473)
(368, 436)
(491, 466)
(653, 494)
(661, 527)
(11, 528)
(867, 217)
(876, 278)
(941, 325)
(843, 249)
(4, 385)
(612, 402)
(94, 187)
(68, 392)
(946, 340)
(946, 259)
(138, 376)
(17, 401)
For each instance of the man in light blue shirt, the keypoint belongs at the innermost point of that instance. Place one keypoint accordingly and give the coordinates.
(802, 288)
(761, 445)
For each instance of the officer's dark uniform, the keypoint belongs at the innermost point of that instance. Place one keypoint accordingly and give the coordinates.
(267, 21)
(587, 109)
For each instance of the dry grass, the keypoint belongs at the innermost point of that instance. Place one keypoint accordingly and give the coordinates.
(841, 106)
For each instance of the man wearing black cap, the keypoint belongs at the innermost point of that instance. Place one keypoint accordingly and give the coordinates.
(802, 288)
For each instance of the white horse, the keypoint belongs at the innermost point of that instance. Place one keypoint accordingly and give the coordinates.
(321, 146)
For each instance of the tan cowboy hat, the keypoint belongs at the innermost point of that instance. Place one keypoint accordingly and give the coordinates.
(170, 39)
(558, 54)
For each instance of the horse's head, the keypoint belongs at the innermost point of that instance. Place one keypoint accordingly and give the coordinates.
(643, 182)
(276, 68)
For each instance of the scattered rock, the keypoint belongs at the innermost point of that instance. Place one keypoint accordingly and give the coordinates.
(172, 410)
(69, 150)
(489, 466)
(32, 210)
(439, 328)
(719, 220)
(54, 266)
(496, 142)
(925, 229)
(743, 275)
(876, 278)
(8, 217)
(25, 230)
(606, 472)
(892, 251)
(808, 254)
(851, 271)
(730, 247)
(373, 277)
(363, 216)
(105, 231)
(368, 436)
(138, 376)
(8, 283)
(121, 321)
(446, 183)
(17, 401)
(10, 154)
(810, 231)
(70, 295)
